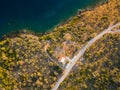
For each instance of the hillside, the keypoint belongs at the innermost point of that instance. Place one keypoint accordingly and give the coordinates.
(100, 69)
(32, 61)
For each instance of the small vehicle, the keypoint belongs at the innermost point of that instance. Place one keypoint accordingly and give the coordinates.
(73, 58)
(67, 66)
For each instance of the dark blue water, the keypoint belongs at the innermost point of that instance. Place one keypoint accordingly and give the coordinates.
(37, 15)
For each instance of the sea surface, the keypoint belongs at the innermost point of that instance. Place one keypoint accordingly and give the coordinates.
(38, 15)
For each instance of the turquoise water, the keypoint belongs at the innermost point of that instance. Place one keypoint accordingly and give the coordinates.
(38, 15)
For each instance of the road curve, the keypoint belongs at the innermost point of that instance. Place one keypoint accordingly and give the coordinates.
(81, 53)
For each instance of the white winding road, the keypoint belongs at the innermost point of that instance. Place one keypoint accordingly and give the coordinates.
(81, 53)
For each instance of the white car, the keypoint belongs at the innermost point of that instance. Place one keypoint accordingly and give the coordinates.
(73, 58)
(67, 66)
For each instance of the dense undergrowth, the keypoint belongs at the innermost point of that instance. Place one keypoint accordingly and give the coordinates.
(25, 62)
(100, 69)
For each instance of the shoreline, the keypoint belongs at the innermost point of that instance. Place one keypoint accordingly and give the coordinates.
(63, 22)
(77, 13)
